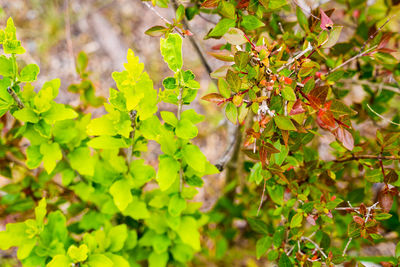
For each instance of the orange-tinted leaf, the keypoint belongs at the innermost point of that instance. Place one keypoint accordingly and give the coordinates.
(297, 108)
(213, 97)
(358, 220)
(345, 137)
(263, 156)
(156, 31)
(318, 95)
(210, 3)
(325, 116)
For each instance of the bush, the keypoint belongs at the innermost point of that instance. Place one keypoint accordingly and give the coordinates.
(84, 195)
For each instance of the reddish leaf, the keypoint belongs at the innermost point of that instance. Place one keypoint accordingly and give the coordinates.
(358, 220)
(263, 156)
(345, 137)
(213, 97)
(217, 47)
(326, 22)
(363, 209)
(385, 200)
(270, 148)
(325, 117)
(385, 39)
(318, 95)
(285, 137)
(297, 108)
(243, 4)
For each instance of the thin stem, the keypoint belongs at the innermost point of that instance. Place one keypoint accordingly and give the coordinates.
(227, 155)
(15, 97)
(372, 36)
(380, 116)
(347, 246)
(262, 197)
(357, 157)
(178, 115)
(348, 61)
(132, 116)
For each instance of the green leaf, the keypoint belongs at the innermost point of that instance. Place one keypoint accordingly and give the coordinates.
(284, 261)
(186, 129)
(118, 260)
(51, 154)
(223, 88)
(227, 9)
(156, 31)
(167, 172)
(137, 209)
(302, 19)
(6, 66)
(397, 252)
(170, 83)
(334, 35)
(26, 115)
(117, 237)
(188, 232)
(40, 212)
(161, 243)
(171, 50)
(222, 27)
(284, 123)
(191, 115)
(59, 261)
(29, 73)
(78, 254)
(194, 157)
(382, 216)
(106, 142)
(81, 161)
(33, 157)
(99, 260)
(231, 112)
(339, 109)
(176, 205)
(58, 112)
(169, 118)
(288, 93)
(296, 221)
(251, 22)
(276, 193)
(158, 260)
(374, 176)
(263, 245)
(258, 225)
(121, 192)
(180, 13)
(241, 59)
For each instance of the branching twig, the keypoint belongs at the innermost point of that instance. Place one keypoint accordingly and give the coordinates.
(369, 211)
(309, 48)
(316, 246)
(15, 97)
